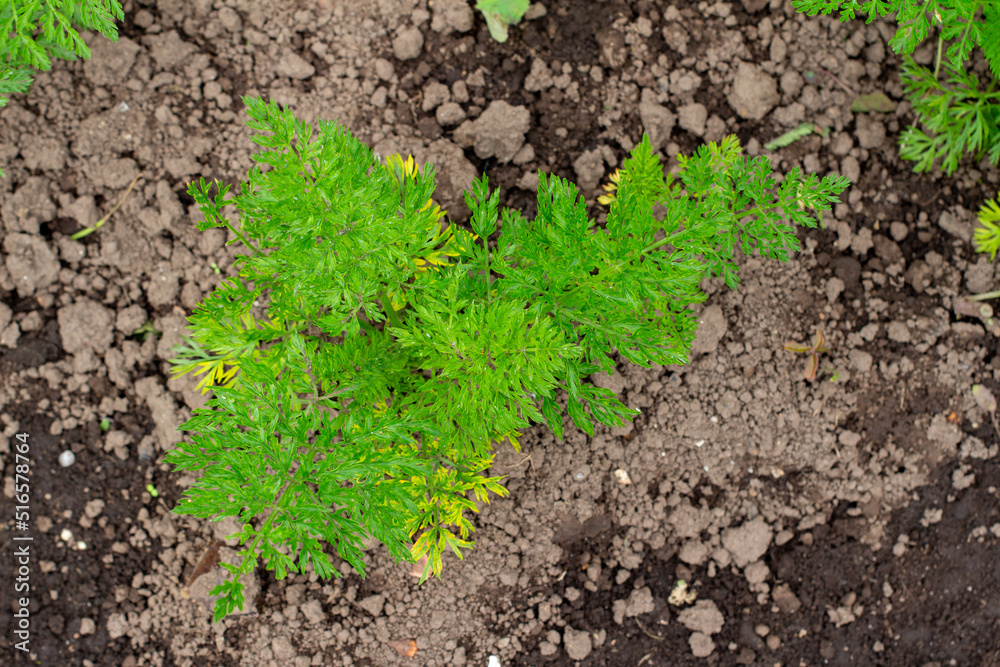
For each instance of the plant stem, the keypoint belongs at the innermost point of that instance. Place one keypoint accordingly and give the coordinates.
(325, 397)
(985, 296)
(252, 551)
(390, 312)
(239, 235)
(937, 61)
(100, 223)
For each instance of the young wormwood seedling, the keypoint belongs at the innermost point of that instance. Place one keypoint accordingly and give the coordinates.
(373, 376)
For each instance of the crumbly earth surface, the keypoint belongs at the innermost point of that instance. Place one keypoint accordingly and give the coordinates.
(852, 520)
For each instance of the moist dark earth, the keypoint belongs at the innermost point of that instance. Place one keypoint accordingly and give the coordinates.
(850, 520)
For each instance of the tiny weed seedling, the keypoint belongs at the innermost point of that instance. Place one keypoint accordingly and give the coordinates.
(145, 330)
(813, 350)
(367, 358)
(100, 223)
(681, 595)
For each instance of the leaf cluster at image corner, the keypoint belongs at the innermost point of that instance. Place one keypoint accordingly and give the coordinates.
(961, 118)
(915, 20)
(20, 50)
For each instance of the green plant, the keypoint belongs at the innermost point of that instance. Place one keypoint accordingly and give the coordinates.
(145, 330)
(21, 48)
(374, 376)
(500, 14)
(987, 237)
(961, 119)
(790, 137)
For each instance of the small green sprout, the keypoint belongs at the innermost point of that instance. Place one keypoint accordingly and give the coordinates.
(105, 425)
(215, 268)
(100, 223)
(152, 490)
(790, 137)
(146, 329)
(812, 364)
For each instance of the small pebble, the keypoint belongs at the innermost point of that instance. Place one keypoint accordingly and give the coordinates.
(66, 535)
(67, 458)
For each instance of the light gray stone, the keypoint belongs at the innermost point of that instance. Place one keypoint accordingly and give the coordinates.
(85, 325)
(31, 263)
(703, 617)
(578, 643)
(712, 326)
(748, 542)
(452, 16)
(409, 43)
(754, 92)
(498, 132)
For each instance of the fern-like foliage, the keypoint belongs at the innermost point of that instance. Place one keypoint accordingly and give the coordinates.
(987, 237)
(21, 49)
(958, 20)
(336, 431)
(960, 118)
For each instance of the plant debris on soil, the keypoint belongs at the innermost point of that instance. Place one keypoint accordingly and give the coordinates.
(852, 519)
